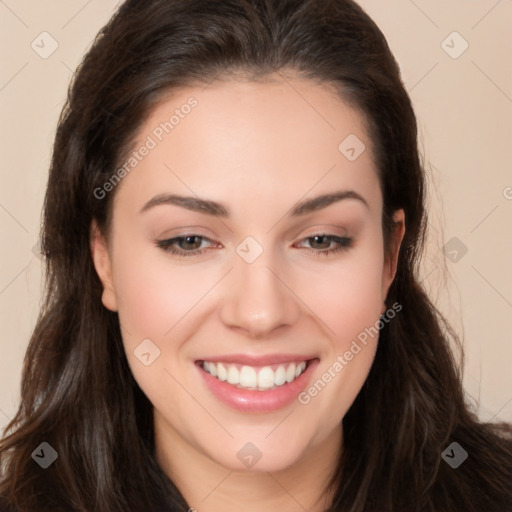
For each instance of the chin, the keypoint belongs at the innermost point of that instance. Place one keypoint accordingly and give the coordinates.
(260, 454)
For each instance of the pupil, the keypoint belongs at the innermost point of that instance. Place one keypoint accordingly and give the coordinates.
(189, 240)
(318, 239)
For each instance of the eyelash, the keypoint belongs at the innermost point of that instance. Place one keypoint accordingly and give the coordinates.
(344, 243)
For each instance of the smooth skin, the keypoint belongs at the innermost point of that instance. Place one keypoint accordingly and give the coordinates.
(259, 148)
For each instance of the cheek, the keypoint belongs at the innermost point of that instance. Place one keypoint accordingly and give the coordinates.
(153, 294)
(346, 296)
(159, 300)
(347, 299)
(349, 303)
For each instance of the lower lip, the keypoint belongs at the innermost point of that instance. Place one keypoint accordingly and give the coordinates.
(246, 400)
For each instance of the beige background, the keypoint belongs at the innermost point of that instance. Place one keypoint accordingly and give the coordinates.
(464, 107)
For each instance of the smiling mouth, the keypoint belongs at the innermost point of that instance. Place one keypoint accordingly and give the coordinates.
(253, 378)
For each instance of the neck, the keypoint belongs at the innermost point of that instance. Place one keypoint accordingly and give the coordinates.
(210, 487)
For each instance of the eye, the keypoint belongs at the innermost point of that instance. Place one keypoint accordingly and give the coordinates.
(186, 246)
(321, 244)
(191, 245)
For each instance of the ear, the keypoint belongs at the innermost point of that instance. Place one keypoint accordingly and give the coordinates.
(102, 264)
(391, 260)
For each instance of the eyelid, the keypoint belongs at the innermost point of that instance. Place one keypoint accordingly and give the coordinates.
(323, 229)
(182, 231)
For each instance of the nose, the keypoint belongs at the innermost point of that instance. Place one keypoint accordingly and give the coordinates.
(258, 299)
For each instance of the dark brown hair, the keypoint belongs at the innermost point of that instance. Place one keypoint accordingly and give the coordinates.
(78, 393)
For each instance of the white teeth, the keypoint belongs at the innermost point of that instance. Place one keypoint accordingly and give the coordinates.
(222, 373)
(233, 375)
(248, 377)
(290, 373)
(253, 378)
(266, 377)
(280, 376)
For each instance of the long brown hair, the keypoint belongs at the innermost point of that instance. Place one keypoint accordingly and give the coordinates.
(78, 393)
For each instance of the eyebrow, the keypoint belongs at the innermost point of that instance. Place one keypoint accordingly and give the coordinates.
(216, 209)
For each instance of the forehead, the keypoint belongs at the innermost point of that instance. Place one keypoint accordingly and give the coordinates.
(279, 138)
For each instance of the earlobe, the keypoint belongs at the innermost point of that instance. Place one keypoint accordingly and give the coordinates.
(102, 264)
(391, 261)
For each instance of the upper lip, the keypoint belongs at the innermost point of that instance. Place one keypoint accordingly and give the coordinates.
(251, 360)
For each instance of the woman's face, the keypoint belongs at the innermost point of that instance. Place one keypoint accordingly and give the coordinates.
(273, 206)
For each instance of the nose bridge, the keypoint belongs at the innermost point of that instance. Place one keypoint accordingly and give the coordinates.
(258, 301)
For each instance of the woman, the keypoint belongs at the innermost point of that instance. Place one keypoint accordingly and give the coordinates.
(233, 320)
